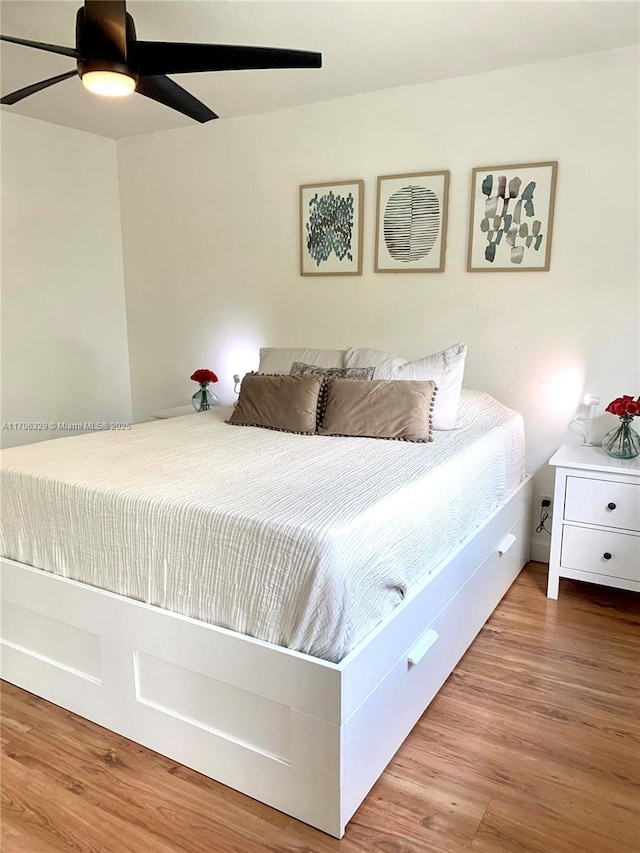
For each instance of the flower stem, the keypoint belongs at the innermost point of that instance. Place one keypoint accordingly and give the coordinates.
(622, 442)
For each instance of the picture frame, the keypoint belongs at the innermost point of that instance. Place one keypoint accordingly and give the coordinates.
(331, 217)
(511, 217)
(411, 222)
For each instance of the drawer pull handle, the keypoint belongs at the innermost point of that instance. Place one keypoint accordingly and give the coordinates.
(422, 647)
(506, 543)
(607, 555)
(611, 506)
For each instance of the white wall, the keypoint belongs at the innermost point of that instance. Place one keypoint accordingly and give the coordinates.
(210, 223)
(64, 338)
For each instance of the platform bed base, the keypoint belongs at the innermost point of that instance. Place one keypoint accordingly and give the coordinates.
(305, 736)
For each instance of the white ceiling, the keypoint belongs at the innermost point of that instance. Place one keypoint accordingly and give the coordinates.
(366, 45)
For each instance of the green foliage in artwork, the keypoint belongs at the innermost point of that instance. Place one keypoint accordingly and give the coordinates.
(330, 226)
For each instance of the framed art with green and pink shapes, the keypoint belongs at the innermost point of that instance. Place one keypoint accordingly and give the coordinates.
(511, 217)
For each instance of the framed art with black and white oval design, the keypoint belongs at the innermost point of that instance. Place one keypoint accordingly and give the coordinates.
(411, 222)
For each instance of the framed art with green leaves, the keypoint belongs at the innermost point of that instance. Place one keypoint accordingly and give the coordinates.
(331, 228)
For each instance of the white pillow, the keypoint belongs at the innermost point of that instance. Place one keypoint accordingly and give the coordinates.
(445, 368)
(280, 360)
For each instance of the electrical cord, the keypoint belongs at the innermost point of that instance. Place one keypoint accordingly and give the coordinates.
(544, 515)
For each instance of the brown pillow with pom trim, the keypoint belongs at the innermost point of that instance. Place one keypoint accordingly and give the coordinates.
(399, 409)
(299, 368)
(278, 401)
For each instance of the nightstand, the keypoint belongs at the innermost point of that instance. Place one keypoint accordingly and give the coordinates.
(595, 535)
(175, 412)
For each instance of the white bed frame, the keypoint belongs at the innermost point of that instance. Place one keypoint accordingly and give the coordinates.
(303, 735)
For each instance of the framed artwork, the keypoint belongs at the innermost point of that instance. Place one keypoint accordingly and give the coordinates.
(511, 217)
(331, 228)
(411, 222)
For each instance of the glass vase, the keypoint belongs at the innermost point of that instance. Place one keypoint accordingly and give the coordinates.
(203, 399)
(622, 442)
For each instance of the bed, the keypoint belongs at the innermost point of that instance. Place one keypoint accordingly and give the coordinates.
(273, 610)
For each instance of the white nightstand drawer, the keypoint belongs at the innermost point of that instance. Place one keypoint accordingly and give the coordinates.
(603, 502)
(587, 550)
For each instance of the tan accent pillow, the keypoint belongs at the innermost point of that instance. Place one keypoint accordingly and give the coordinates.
(282, 402)
(298, 368)
(399, 409)
(445, 368)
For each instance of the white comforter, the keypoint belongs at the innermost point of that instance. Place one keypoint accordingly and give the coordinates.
(303, 541)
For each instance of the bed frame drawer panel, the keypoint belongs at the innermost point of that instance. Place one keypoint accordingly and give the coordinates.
(235, 714)
(377, 729)
(53, 641)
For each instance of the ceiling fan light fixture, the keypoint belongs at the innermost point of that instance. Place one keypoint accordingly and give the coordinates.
(111, 84)
(112, 62)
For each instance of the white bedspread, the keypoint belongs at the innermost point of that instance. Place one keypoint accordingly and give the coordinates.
(303, 541)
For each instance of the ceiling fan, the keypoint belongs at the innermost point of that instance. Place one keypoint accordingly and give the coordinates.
(111, 61)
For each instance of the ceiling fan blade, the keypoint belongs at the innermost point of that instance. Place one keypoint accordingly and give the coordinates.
(14, 97)
(159, 57)
(101, 30)
(167, 92)
(39, 45)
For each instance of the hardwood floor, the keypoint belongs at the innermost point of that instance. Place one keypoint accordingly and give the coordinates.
(532, 746)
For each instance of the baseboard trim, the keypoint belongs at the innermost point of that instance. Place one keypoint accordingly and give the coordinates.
(540, 551)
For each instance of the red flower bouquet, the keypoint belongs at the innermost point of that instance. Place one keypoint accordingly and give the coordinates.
(204, 376)
(203, 399)
(623, 442)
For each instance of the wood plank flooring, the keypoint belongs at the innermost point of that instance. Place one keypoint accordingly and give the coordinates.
(532, 746)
